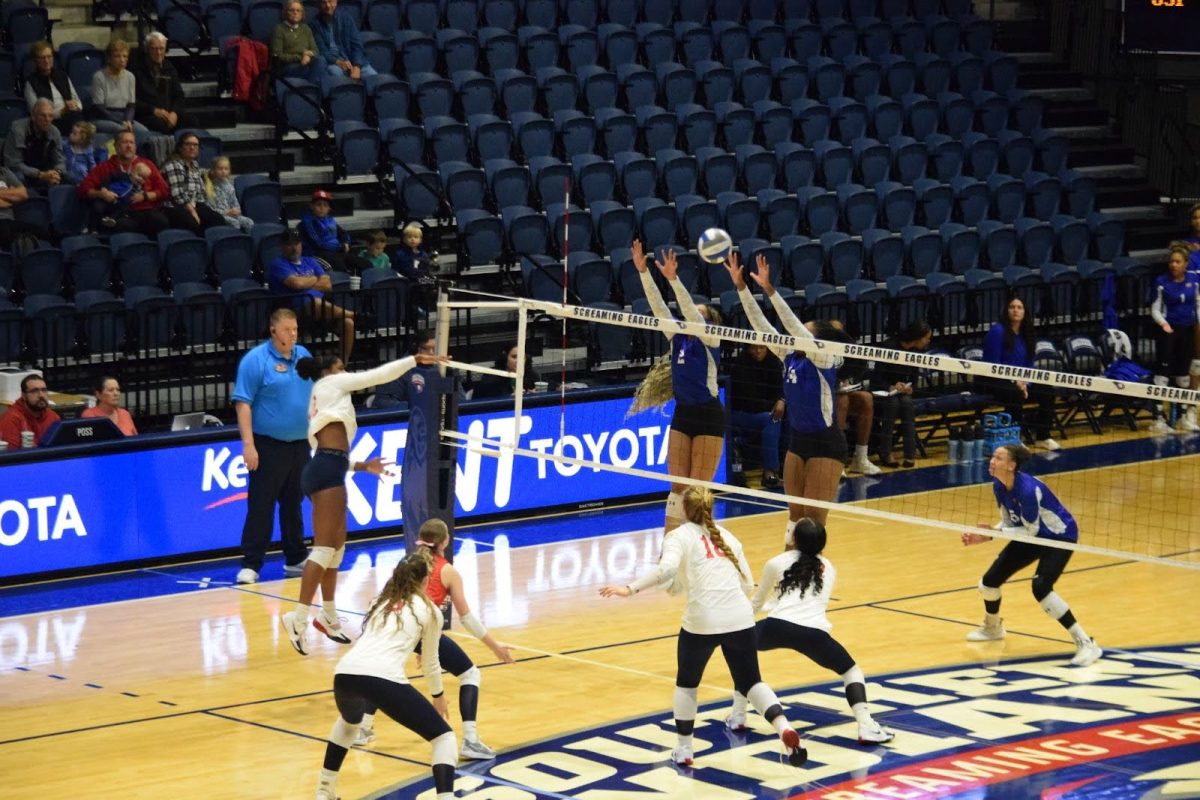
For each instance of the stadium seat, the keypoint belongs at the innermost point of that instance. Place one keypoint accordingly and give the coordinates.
(884, 252)
(897, 205)
(481, 237)
(803, 261)
(972, 199)
(526, 230)
(1036, 241)
(936, 202)
(998, 243)
(615, 226)
(923, 249)
(960, 247)
(510, 183)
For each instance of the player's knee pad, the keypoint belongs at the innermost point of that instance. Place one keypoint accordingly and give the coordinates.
(1053, 605)
(472, 677)
(989, 592)
(445, 749)
(1182, 381)
(764, 699)
(684, 703)
(853, 675)
(321, 556)
(675, 505)
(343, 733)
(338, 554)
(1194, 368)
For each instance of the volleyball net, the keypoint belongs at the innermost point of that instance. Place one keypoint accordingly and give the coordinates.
(1125, 478)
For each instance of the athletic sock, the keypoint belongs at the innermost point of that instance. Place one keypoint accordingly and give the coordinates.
(470, 731)
(739, 703)
(1079, 634)
(329, 608)
(303, 610)
(860, 451)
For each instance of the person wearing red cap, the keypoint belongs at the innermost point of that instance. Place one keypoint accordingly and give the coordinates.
(324, 239)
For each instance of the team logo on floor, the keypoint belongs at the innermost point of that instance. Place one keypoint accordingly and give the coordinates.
(1126, 727)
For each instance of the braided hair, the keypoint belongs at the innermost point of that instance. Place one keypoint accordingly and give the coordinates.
(697, 508)
(807, 570)
(405, 582)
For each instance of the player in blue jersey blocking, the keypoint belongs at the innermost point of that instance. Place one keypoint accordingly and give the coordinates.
(1028, 507)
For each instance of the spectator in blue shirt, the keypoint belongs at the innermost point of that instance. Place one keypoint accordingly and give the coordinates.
(1012, 342)
(324, 239)
(305, 284)
(272, 400)
(339, 43)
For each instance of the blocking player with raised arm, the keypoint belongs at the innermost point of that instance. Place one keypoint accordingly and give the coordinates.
(698, 425)
(816, 446)
(399, 620)
(331, 428)
(795, 589)
(1027, 506)
(706, 560)
(445, 581)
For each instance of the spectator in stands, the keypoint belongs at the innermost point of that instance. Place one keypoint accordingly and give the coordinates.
(339, 43)
(411, 260)
(495, 386)
(144, 213)
(1193, 241)
(52, 83)
(852, 398)
(898, 381)
(114, 93)
(222, 198)
(756, 404)
(1012, 342)
(187, 207)
(398, 392)
(374, 253)
(325, 239)
(12, 194)
(33, 149)
(80, 154)
(301, 280)
(126, 186)
(107, 390)
(30, 412)
(272, 402)
(160, 104)
(293, 48)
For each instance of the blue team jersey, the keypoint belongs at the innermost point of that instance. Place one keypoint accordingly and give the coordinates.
(809, 393)
(693, 370)
(1177, 299)
(1032, 506)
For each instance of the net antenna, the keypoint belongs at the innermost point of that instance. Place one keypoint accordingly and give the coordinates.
(1113, 509)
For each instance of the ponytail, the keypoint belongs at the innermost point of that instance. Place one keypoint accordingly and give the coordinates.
(697, 508)
(311, 368)
(807, 570)
(404, 583)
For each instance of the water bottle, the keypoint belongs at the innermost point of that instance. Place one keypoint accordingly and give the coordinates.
(955, 445)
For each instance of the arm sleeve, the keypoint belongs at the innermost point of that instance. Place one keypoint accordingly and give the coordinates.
(145, 98)
(176, 183)
(1157, 308)
(767, 585)
(354, 47)
(758, 320)
(31, 97)
(655, 298)
(93, 180)
(667, 568)
(690, 311)
(74, 92)
(431, 665)
(357, 381)
(13, 158)
(795, 327)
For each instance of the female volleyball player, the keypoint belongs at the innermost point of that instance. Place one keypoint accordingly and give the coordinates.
(708, 561)
(1175, 310)
(331, 429)
(698, 425)
(816, 446)
(1027, 506)
(399, 620)
(444, 581)
(797, 585)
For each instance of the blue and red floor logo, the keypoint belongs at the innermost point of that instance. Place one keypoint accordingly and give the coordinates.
(1127, 727)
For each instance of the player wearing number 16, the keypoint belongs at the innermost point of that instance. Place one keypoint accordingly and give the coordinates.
(331, 429)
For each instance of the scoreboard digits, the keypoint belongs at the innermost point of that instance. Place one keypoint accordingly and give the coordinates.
(1166, 26)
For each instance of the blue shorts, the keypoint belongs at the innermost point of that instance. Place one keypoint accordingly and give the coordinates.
(326, 470)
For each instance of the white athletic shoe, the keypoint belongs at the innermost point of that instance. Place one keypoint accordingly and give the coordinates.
(326, 794)
(247, 575)
(475, 750)
(987, 633)
(1087, 654)
(365, 736)
(1049, 444)
(294, 570)
(682, 755)
(874, 733)
(864, 466)
(1160, 427)
(736, 721)
(331, 628)
(1187, 423)
(796, 754)
(295, 630)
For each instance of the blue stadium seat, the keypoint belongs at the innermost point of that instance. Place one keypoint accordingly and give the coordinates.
(967, 75)
(695, 214)
(828, 77)
(910, 159)
(590, 276)
(543, 278)
(958, 114)
(1062, 288)
(843, 255)
(185, 256)
(1000, 70)
(581, 12)
(498, 49)
(201, 313)
(790, 78)
(676, 85)
(357, 147)
(300, 102)
(804, 39)
(819, 209)
(595, 178)
(1017, 152)
(557, 88)
(813, 120)
(946, 156)
(136, 259)
(933, 73)
(419, 194)
(534, 133)
(490, 136)
(1108, 236)
(402, 140)
(416, 52)
(697, 126)
(543, 13)
(936, 201)
(462, 15)
(1036, 241)
(518, 91)
(231, 252)
(657, 222)
(449, 139)
(872, 159)
(972, 200)
(921, 115)
(390, 96)
(615, 225)
(89, 263)
(774, 122)
(465, 186)
(769, 39)
(923, 249)
(658, 127)
(539, 46)
(716, 82)
(618, 44)
(1051, 150)
(678, 172)
(981, 155)
(803, 260)
(1072, 238)
(884, 252)
(510, 182)
(1043, 193)
(718, 170)
(475, 92)
(960, 247)
(731, 40)
(657, 43)
(638, 86)
(899, 75)
(875, 35)
(849, 117)
(908, 36)
(434, 95)
(422, 15)
(841, 38)
(835, 162)
(580, 226)
(550, 178)
(886, 116)
(526, 230)
(757, 167)
(797, 165)
(1026, 110)
(863, 77)
(780, 213)
(693, 42)
(897, 205)
(998, 243)
(1008, 197)
(739, 215)
(481, 236)
(859, 207)
(637, 175)
(599, 87)
(610, 343)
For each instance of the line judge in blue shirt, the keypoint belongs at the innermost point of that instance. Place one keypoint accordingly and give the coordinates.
(272, 402)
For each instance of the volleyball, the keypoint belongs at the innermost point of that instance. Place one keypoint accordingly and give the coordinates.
(714, 246)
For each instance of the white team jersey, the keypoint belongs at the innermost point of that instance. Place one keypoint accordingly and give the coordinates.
(390, 638)
(331, 400)
(807, 609)
(717, 595)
